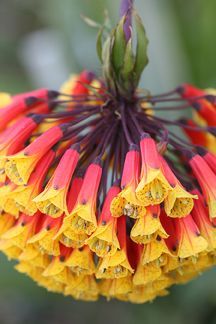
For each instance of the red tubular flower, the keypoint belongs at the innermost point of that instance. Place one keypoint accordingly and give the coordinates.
(148, 226)
(185, 239)
(13, 138)
(104, 240)
(207, 180)
(201, 218)
(126, 202)
(53, 200)
(20, 166)
(116, 265)
(85, 78)
(209, 158)
(153, 186)
(66, 234)
(82, 219)
(190, 241)
(178, 202)
(22, 230)
(204, 107)
(197, 138)
(145, 274)
(24, 195)
(20, 104)
(44, 235)
(57, 269)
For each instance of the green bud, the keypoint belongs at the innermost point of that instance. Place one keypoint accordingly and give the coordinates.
(123, 66)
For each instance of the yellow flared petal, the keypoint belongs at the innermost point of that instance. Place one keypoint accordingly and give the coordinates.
(54, 268)
(52, 202)
(72, 239)
(115, 266)
(104, 240)
(45, 239)
(111, 288)
(117, 206)
(81, 262)
(179, 202)
(146, 274)
(153, 188)
(23, 197)
(147, 228)
(82, 219)
(191, 245)
(19, 168)
(153, 251)
(86, 289)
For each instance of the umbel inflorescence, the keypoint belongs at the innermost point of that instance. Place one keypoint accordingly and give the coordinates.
(98, 195)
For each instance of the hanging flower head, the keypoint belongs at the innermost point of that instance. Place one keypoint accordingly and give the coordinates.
(97, 195)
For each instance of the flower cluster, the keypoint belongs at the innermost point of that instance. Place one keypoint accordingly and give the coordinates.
(99, 197)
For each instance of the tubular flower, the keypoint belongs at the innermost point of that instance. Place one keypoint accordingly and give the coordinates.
(98, 197)
(20, 166)
(13, 139)
(82, 219)
(116, 265)
(66, 234)
(126, 201)
(204, 115)
(24, 195)
(104, 240)
(202, 172)
(148, 227)
(178, 202)
(53, 200)
(153, 187)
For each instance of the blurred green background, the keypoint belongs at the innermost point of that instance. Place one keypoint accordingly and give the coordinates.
(41, 43)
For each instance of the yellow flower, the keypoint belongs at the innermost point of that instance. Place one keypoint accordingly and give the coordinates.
(148, 226)
(104, 240)
(85, 289)
(115, 266)
(81, 262)
(179, 202)
(154, 251)
(115, 288)
(146, 273)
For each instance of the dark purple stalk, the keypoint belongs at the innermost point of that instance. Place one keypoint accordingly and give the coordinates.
(159, 99)
(124, 124)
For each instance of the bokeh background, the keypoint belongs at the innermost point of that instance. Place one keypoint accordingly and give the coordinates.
(41, 43)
